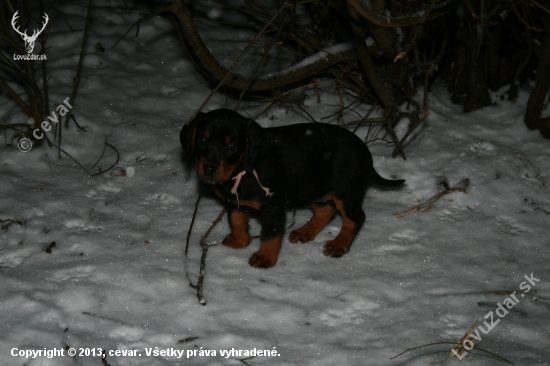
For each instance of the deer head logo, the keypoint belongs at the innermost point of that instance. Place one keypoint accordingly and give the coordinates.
(29, 41)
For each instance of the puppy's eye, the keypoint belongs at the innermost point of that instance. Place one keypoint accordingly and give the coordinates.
(201, 139)
(231, 146)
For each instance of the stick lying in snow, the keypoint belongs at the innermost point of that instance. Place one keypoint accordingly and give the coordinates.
(459, 349)
(533, 170)
(453, 343)
(433, 199)
(204, 246)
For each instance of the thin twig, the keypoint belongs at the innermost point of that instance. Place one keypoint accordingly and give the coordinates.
(403, 21)
(112, 166)
(193, 221)
(459, 346)
(453, 343)
(431, 200)
(323, 59)
(100, 156)
(290, 92)
(78, 71)
(414, 125)
(86, 170)
(264, 58)
(236, 62)
(16, 96)
(497, 292)
(533, 170)
(136, 23)
(204, 246)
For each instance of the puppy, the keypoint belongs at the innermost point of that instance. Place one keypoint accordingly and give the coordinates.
(271, 169)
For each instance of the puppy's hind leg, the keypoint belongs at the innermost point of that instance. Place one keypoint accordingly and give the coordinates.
(322, 214)
(353, 218)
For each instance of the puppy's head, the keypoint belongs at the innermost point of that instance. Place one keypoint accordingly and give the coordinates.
(222, 140)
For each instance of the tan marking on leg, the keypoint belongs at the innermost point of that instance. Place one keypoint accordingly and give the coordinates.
(239, 237)
(267, 256)
(321, 216)
(340, 245)
(254, 204)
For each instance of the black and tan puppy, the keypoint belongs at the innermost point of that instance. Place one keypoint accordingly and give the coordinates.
(272, 169)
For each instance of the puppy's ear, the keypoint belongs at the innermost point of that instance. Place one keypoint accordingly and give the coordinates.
(187, 135)
(258, 145)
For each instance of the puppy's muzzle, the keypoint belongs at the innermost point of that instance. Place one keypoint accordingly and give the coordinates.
(208, 171)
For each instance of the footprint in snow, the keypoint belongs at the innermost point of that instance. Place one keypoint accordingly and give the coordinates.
(483, 149)
(509, 225)
(355, 314)
(401, 242)
(74, 274)
(103, 191)
(451, 215)
(11, 259)
(81, 226)
(163, 200)
(389, 249)
(405, 236)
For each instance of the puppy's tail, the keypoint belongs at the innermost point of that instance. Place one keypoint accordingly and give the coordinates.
(378, 180)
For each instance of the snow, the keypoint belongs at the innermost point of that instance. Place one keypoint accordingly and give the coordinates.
(116, 277)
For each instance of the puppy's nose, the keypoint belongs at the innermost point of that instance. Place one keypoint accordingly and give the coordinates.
(209, 168)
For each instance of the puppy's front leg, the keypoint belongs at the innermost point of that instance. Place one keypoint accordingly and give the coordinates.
(271, 237)
(239, 237)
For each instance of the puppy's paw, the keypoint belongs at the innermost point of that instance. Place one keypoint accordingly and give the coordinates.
(334, 249)
(301, 235)
(236, 242)
(260, 260)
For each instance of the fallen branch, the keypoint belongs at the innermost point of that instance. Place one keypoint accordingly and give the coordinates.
(431, 200)
(277, 98)
(230, 71)
(204, 246)
(76, 80)
(369, 69)
(199, 48)
(193, 221)
(459, 348)
(402, 21)
(417, 123)
(453, 343)
(497, 292)
(9, 222)
(86, 170)
(264, 58)
(533, 170)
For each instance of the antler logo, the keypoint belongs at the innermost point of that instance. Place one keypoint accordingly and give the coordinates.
(29, 41)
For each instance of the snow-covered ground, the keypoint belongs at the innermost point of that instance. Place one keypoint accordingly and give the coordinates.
(115, 279)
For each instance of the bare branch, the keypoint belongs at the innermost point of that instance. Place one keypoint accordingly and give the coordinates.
(204, 246)
(232, 80)
(402, 21)
(431, 200)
